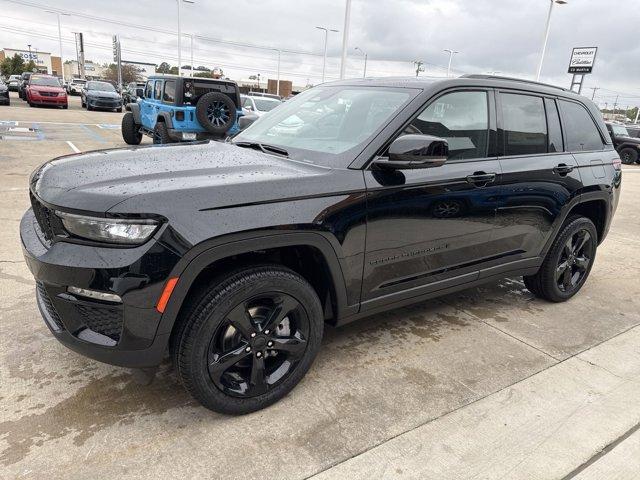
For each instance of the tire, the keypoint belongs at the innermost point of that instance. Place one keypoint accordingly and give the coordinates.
(119, 110)
(130, 130)
(629, 156)
(161, 134)
(574, 249)
(216, 112)
(65, 107)
(89, 107)
(205, 333)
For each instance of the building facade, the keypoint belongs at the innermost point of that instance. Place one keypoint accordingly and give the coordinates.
(45, 62)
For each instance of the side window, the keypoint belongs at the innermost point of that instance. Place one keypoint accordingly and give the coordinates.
(553, 121)
(157, 90)
(169, 91)
(580, 131)
(524, 124)
(461, 118)
(148, 90)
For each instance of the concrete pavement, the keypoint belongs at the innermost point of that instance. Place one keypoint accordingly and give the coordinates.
(487, 383)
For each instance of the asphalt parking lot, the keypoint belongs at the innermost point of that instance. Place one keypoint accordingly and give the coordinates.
(487, 383)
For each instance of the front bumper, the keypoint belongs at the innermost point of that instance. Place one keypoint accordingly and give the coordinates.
(47, 100)
(104, 103)
(121, 334)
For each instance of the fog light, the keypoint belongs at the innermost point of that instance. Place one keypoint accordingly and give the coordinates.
(105, 297)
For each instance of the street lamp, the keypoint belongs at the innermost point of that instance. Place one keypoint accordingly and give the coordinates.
(180, 36)
(358, 49)
(546, 34)
(324, 59)
(451, 53)
(58, 14)
(345, 38)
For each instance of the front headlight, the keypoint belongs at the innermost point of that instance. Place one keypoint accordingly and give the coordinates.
(111, 230)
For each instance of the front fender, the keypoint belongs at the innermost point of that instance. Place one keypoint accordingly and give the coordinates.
(135, 109)
(200, 257)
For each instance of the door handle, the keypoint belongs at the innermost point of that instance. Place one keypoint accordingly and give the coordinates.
(563, 169)
(480, 179)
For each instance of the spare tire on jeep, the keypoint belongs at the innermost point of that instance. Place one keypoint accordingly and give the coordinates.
(216, 112)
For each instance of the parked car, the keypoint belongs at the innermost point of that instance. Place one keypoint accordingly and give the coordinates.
(45, 90)
(4, 94)
(132, 92)
(24, 79)
(235, 254)
(266, 95)
(75, 86)
(627, 146)
(98, 94)
(14, 83)
(259, 105)
(177, 108)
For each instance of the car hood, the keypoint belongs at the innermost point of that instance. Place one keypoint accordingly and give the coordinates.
(44, 88)
(625, 139)
(100, 93)
(207, 175)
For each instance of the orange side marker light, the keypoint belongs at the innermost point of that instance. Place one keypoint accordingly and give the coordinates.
(166, 294)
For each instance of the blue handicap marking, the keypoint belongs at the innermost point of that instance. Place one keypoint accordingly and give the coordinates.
(108, 126)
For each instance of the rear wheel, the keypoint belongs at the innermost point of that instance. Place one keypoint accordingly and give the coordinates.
(131, 130)
(568, 264)
(629, 156)
(245, 342)
(161, 134)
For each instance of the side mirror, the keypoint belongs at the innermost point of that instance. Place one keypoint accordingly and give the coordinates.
(246, 120)
(415, 151)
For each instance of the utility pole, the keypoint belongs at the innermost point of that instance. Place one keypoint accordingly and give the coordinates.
(615, 104)
(117, 57)
(594, 92)
(358, 49)
(345, 38)
(546, 35)
(326, 39)
(637, 115)
(278, 75)
(192, 55)
(180, 36)
(418, 64)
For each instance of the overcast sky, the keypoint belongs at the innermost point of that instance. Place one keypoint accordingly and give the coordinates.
(491, 35)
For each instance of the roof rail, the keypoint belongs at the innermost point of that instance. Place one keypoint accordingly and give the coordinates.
(511, 79)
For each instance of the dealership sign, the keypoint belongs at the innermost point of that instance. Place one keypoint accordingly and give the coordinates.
(582, 60)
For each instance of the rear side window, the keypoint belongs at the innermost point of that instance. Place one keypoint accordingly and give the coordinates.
(580, 131)
(169, 91)
(524, 124)
(157, 91)
(461, 118)
(553, 122)
(148, 91)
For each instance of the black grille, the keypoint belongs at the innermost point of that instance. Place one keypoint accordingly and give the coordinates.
(48, 94)
(104, 320)
(45, 218)
(48, 305)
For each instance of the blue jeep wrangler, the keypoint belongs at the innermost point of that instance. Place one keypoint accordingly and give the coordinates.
(177, 109)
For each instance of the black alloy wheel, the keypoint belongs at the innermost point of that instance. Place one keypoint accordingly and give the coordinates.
(568, 262)
(248, 337)
(628, 156)
(216, 112)
(574, 261)
(258, 345)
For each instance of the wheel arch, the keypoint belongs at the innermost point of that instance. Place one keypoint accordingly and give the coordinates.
(288, 249)
(135, 109)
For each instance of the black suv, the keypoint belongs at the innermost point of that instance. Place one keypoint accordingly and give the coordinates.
(352, 198)
(627, 145)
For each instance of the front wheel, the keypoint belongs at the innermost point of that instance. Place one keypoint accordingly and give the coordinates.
(245, 342)
(130, 130)
(629, 156)
(567, 265)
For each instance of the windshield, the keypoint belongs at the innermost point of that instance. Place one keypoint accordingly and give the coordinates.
(78, 81)
(45, 81)
(325, 122)
(100, 86)
(266, 104)
(620, 130)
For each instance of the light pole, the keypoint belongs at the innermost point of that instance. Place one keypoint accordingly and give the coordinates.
(345, 38)
(278, 75)
(546, 34)
(451, 53)
(192, 55)
(324, 58)
(58, 14)
(180, 36)
(358, 49)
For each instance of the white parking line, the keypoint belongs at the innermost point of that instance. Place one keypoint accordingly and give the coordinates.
(104, 125)
(73, 147)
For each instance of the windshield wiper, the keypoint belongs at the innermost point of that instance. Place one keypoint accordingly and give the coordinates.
(265, 148)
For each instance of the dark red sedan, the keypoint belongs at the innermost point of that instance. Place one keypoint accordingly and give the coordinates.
(46, 90)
